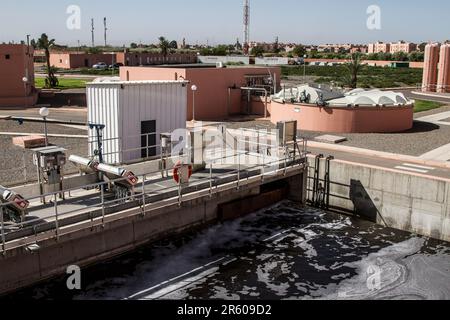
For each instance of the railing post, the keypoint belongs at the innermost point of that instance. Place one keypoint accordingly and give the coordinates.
(3, 230)
(285, 159)
(143, 195)
(263, 166)
(179, 193)
(210, 179)
(146, 149)
(102, 191)
(56, 216)
(239, 171)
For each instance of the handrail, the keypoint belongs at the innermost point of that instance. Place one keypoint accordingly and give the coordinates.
(102, 204)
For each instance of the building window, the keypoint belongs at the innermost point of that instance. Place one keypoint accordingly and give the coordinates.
(7, 56)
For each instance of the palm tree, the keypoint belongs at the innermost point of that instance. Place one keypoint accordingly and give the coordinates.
(353, 67)
(45, 44)
(164, 46)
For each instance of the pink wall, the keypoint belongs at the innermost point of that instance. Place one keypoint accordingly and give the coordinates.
(443, 83)
(16, 62)
(430, 67)
(345, 120)
(212, 100)
(79, 60)
(137, 59)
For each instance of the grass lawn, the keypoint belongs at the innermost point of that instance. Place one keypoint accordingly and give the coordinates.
(422, 105)
(64, 83)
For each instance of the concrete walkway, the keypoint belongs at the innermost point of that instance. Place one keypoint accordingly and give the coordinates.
(416, 166)
(439, 154)
(437, 118)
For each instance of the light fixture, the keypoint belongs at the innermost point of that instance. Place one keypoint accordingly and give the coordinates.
(44, 112)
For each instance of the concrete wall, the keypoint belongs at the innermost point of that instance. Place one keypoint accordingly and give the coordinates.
(84, 244)
(224, 59)
(399, 200)
(344, 120)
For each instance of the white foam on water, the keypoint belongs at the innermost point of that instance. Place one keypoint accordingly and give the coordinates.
(403, 274)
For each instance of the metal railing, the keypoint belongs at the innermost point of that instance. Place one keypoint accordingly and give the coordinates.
(127, 154)
(99, 206)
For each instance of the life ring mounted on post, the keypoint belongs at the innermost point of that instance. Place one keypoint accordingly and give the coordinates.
(182, 173)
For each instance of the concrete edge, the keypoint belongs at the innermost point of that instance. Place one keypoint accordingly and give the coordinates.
(21, 134)
(379, 154)
(370, 166)
(430, 95)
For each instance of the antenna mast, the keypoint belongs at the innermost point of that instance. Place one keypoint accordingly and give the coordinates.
(106, 29)
(92, 32)
(246, 26)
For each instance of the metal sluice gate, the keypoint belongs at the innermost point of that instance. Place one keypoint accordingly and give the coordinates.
(320, 193)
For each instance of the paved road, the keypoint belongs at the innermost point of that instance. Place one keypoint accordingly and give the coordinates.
(62, 114)
(411, 95)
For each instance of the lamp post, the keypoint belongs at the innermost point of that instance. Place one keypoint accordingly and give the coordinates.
(304, 68)
(44, 112)
(194, 89)
(25, 82)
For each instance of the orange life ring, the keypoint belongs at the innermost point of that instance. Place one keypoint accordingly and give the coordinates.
(176, 169)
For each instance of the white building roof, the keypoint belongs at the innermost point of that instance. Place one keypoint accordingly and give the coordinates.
(116, 80)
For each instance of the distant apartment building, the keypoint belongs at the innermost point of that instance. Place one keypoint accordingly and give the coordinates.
(393, 47)
(359, 48)
(406, 47)
(154, 58)
(17, 88)
(379, 47)
(334, 48)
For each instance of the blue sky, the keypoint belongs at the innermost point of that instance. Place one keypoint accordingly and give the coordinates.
(213, 21)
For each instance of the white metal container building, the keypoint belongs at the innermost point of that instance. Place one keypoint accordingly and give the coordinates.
(134, 113)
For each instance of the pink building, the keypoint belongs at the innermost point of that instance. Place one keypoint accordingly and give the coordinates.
(443, 82)
(379, 47)
(154, 58)
(220, 92)
(402, 46)
(17, 87)
(67, 60)
(430, 67)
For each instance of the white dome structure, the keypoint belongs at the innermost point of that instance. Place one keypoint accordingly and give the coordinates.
(371, 98)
